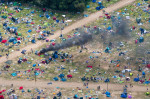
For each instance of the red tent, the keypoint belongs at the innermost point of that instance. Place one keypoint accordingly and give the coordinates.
(4, 41)
(0, 92)
(89, 66)
(21, 87)
(148, 65)
(69, 76)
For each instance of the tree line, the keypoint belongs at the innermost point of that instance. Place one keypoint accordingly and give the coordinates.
(62, 5)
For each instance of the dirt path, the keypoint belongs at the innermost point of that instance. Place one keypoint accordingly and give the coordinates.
(68, 29)
(68, 85)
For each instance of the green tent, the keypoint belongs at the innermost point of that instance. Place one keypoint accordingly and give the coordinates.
(4, 17)
(121, 82)
(29, 90)
(15, 4)
(46, 23)
(41, 55)
(147, 93)
(19, 34)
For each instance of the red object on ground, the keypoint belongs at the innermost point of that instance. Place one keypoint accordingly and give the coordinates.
(69, 76)
(21, 87)
(0, 92)
(4, 41)
(89, 66)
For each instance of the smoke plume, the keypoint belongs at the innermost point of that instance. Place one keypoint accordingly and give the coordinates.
(119, 32)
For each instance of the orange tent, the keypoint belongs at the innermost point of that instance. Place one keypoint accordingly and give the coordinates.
(118, 65)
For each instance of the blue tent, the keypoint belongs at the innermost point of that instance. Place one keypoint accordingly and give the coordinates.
(143, 73)
(75, 96)
(107, 50)
(14, 42)
(141, 39)
(109, 28)
(33, 41)
(93, 1)
(136, 79)
(12, 39)
(59, 94)
(36, 74)
(23, 51)
(29, 31)
(63, 79)
(87, 6)
(142, 30)
(107, 80)
(32, 12)
(1, 38)
(14, 74)
(97, 8)
(147, 82)
(138, 20)
(100, 3)
(57, 21)
(55, 79)
(55, 56)
(34, 65)
(123, 95)
(61, 75)
(107, 94)
(47, 16)
(41, 15)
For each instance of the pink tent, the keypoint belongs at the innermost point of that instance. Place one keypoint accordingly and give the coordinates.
(54, 18)
(53, 43)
